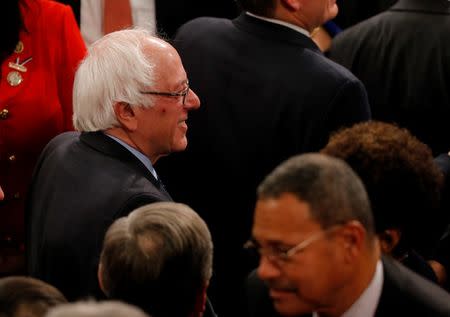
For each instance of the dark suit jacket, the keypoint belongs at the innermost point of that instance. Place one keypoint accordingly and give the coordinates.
(82, 183)
(171, 15)
(407, 294)
(403, 58)
(404, 293)
(442, 252)
(355, 11)
(266, 93)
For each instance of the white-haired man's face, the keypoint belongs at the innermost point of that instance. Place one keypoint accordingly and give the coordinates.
(162, 128)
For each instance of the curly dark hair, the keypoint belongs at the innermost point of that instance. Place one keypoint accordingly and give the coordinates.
(402, 181)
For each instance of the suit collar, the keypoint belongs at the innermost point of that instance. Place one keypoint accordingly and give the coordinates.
(272, 31)
(104, 144)
(387, 298)
(426, 6)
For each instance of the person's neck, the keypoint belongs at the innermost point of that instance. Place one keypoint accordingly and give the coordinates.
(300, 21)
(125, 137)
(360, 278)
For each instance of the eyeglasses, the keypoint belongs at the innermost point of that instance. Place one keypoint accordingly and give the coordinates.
(278, 255)
(183, 93)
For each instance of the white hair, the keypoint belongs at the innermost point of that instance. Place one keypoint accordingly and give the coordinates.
(94, 309)
(115, 69)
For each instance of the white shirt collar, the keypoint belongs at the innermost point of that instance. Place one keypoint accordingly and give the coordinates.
(286, 24)
(140, 156)
(367, 303)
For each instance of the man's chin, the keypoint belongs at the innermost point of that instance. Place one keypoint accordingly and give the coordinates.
(180, 146)
(288, 304)
(291, 309)
(334, 12)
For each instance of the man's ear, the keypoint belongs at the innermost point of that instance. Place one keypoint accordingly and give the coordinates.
(291, 5)
(200, 301)
(389, 239)
(126, 116)
(99, 278)
(354, 237)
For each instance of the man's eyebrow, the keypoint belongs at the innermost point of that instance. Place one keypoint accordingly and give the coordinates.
(183, 81)
(271, 243)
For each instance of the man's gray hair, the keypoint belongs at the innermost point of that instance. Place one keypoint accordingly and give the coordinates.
(115, 69)
(94, 309)
(158, 258)
(334, 192)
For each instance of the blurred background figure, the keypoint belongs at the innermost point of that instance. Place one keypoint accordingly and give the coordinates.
(94, 309)
(27, 297)
(267, 93)
(402, 57)
(441, 256)
(404, 186)
(100, 17)
(352, 12)
(162, 16)
(40, 49)
(159, 258)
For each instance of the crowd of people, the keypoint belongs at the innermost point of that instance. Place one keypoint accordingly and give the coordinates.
(238, 162)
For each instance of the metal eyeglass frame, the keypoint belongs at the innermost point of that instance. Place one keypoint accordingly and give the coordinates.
(280, 256)
(183, 93)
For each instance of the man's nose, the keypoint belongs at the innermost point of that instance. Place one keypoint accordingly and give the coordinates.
(192, 101)
(267, 270)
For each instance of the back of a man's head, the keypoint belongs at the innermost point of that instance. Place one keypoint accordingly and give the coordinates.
(158, 258)
(94, 309)
(22, 296)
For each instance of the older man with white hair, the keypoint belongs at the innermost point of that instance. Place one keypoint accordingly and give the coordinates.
(131, 103)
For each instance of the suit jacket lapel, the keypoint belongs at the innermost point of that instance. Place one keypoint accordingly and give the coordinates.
(102, 143)
(387, 298)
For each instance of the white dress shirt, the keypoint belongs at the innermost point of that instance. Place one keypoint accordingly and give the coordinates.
(367, 303)
(91, 18)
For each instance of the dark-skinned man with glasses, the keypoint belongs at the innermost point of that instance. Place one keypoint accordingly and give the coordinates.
(131, 103)
(319, 254)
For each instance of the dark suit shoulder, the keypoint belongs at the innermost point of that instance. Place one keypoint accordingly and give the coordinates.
(146, 195)
(406, 293)
(199, 29)
(201, 22)
(332, 70)
(62, 138)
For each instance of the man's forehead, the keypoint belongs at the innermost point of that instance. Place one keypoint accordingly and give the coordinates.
(281, 217)
(284, 205)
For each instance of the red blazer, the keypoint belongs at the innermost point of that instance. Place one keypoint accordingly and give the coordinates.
(38, 108)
